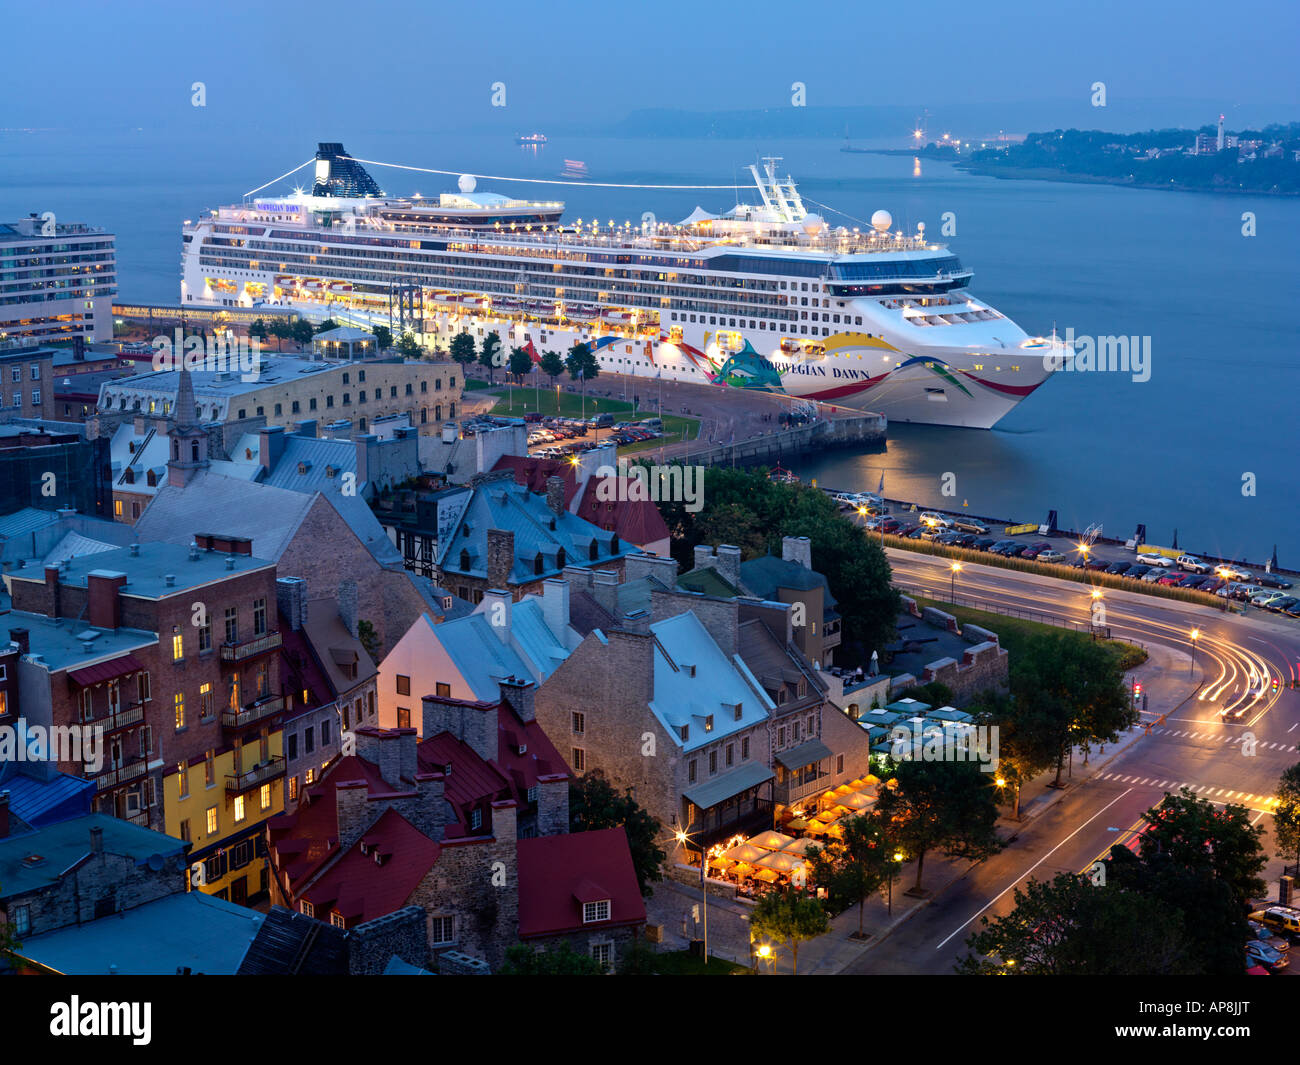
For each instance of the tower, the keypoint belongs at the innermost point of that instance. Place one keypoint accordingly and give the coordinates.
(189, 440)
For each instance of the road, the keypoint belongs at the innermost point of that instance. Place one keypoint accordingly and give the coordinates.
(1237, 762)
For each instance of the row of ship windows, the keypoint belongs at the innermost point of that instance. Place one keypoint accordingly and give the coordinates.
(713, 320)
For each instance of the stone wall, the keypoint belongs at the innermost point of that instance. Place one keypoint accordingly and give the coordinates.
(373, 944)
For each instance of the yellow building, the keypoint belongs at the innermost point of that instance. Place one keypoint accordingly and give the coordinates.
(219, 802)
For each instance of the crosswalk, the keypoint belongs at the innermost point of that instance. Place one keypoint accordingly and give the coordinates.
(1204, 791)
(1222, 737)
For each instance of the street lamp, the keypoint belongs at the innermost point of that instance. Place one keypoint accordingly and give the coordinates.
(893, 872)
(704, 894)
(1191, 666)
(952, 583)
(764, 952)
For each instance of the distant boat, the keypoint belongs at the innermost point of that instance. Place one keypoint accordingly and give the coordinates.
(574, 168)
(531, 138)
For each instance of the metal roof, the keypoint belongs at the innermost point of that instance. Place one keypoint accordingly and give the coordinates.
(721, 788)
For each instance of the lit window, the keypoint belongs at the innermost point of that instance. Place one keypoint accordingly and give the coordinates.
(178, 702)
(266, 796)
(212, 820)
(178, 647)
(239, 808)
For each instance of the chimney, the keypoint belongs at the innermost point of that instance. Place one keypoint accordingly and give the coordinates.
(662, 569)
(505, 824)
(352, 810)
(23, 639)
(348, 605)
(290, 600)
(472, 722)
(520, 695)
(97, 840)
(390, 756)
(553, 804)
(555, 605)
(4, 814)
(408, 761)
(307, 427)
(428, 813)
(450, 434)
(797, 549)
(555, 495)
(103, 606)
(703, 556)
(728, 563)
(53, 597)
(497, 609)
(604, 589)
(270, 442)
(501, 557)
(367, 446)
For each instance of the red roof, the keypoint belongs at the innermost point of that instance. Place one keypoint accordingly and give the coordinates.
(360, 888)
(637, 521)
(102, 671)
(532, 473)
(558, 873)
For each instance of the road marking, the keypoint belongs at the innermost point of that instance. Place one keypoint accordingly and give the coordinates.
(1293, 727)
(1162, 783)
(1036, 864)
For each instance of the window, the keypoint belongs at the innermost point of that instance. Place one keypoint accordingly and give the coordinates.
(185, 831)
(839, 763)
(239, 808)
(210, 769)
(713, 761)
(21, 918)
(579, 723)
(259, 617)
(403, 685)
(308, 739)
(232, 624)
(36, 396)
(595, 911)
(293, 789)
(325, 733)
(205, 633)
(744, 748)
(403, 717)
(476, 819)
(311, 403)
(731, 753)
(309, 777)
(178, 647)
(265, 796)
(336, 919)
(212, 820)
(205, 701)
(690, 771)
(178, 704)
(442, 689)
(183, 779)
(308, 910)
(442, 930)
(579, 760)
(291, 745)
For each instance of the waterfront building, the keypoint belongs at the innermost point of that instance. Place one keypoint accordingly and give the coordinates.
(57, 280)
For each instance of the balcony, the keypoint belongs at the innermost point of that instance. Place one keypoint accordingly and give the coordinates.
(259, 710)
(791, 791)
(238, 783)
(246, 649)
(121, 774)
(115, 722)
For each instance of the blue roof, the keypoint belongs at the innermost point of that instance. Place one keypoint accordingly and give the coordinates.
(45, 802)
(188, 930)
(27, 520)
(484, 659)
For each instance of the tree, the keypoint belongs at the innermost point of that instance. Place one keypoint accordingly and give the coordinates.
(552, 364)
(731, 523)
(594, 803)
(257, 331)
(302, 331)
(581, 363)
(1286, 815)
(408, 345)
(1027, 738)
(521, 363)
(326, 326)
(490, 357)
(1071, 926)
(281, 330)
(383, 337)
(1074, 690)
(368, 638)
(789, 916)
(947, 805)
(855, 866)
(559, 960)
(462, 349)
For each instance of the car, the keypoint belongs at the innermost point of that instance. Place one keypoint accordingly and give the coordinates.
(1234, 573)
(1170, 579)
(1265, 597)
(1283, 605)
(889, 525)
(1051, 555)
(1292, 611)
(1284, 920)
(1192, 564)
(963, 539)
(1119, 567)
(929, 517)
(1163, 561)
(1193, 581)
(1033, 550)
(970, 525)
(1152, 575)
(1012, 550)
(916, 532)
(1227, 589)
(931, 532)
(533, 416)
(1095, 563)
(984, 544)
(873, 524)
(1137, 570)
(1270, 580)
(1211, 585)
(905, 530)
(1234, 711)
(1245, 591)
(947, 537)
(1267, 936)
(1260, 953)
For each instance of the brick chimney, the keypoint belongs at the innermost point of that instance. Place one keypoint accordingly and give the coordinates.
(604, 589)
(348, 604)
(352, 808)
(103, 605)
(520, 696)
(797, 549)
(497, 606)
(501, 557)
(52, 592)
(555, 495)
(553, 804)
(291, 600)
(270, 446)
(471, 721)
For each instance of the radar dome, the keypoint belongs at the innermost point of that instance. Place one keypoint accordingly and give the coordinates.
(466, 183)
(881, 221)
(813, 224)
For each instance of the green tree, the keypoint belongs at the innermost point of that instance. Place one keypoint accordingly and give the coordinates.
(945, 805)
(1070, 926)
(490, 357)
(560, 960)
(581, 363)
(302, 331)
(594, 803)
(257, 331)
(325, 326)
(1027, 738)
(368, 638)
(552, 364)
(855, 866)
(281, 330)
(462, 349)
(789, 916)
(408, 345)
(731, 523)
(1286, 815)
(521, 363)
(383, 337)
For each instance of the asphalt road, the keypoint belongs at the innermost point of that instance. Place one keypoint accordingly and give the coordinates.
(1237, 762)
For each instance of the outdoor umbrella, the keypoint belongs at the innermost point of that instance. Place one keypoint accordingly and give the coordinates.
(771, 840)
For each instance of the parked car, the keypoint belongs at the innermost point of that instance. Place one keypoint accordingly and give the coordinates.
(1265, 597)
(1095, 563)
(873, 524)
(931, 532)
(1284, 920)
(964, 539)
(948, 537)
(929, 517)
(970, 525)
(1234, 573)
(1152, 575)
(1227, 589)
(1033, 550)
(1170, 579)
(1269, 580)
(1137, 570)
(1245, 591)
(1194, 581)
(1259, 953)
(905, 529)
(1163, 561)
(1283, 605)
(1119, 567)
(1012, 550)
(1192, 564)
(1051, 555)
(985, 544)
(1266, 935)
(916, 532)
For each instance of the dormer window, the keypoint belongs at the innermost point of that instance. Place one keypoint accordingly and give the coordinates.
(464, 560)
(594, 551)
(595, 911)
(684, 731)
(708, 723)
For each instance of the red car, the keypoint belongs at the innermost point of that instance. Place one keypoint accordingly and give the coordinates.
(1034, 550)
(1170, 579)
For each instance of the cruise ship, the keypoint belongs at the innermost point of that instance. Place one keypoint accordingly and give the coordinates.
(763, 296)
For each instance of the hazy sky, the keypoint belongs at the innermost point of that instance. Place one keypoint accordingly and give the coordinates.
(427, 65)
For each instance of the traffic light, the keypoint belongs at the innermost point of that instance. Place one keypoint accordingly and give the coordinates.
(1277, 683)
(1137, 691)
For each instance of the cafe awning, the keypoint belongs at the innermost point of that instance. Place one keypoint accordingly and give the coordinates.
(728, 785)
(771, 840)
(102, 671)
(805, 754)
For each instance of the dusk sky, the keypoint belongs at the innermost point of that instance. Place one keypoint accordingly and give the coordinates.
(430, 66)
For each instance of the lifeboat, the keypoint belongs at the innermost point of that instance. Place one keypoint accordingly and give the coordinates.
(582, 313)
(508, 305)
(618, 316)
(471, 301)
(340, 288)
(286, 282)
(445, 297)
(313, 286)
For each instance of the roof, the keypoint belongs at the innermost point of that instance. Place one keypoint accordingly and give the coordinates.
(722, 787)
(102, 671)
(805, 754)
(533, 473)
(64, 844)
(61, 645)
(39, 802)
(694, 680)
(138, 452)
(26, 520)
(762, 576)
(558, 873)
(346, 333)
(707, 581)
(187, 930)
(292, 944)
(633, 515)
(531, 651)
(335, 646)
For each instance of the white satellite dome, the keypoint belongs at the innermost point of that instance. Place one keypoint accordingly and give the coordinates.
(920, 227)
(466, 183)
(813, 224)
(881, 221)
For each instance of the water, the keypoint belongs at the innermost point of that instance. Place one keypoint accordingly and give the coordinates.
(1099, 447)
